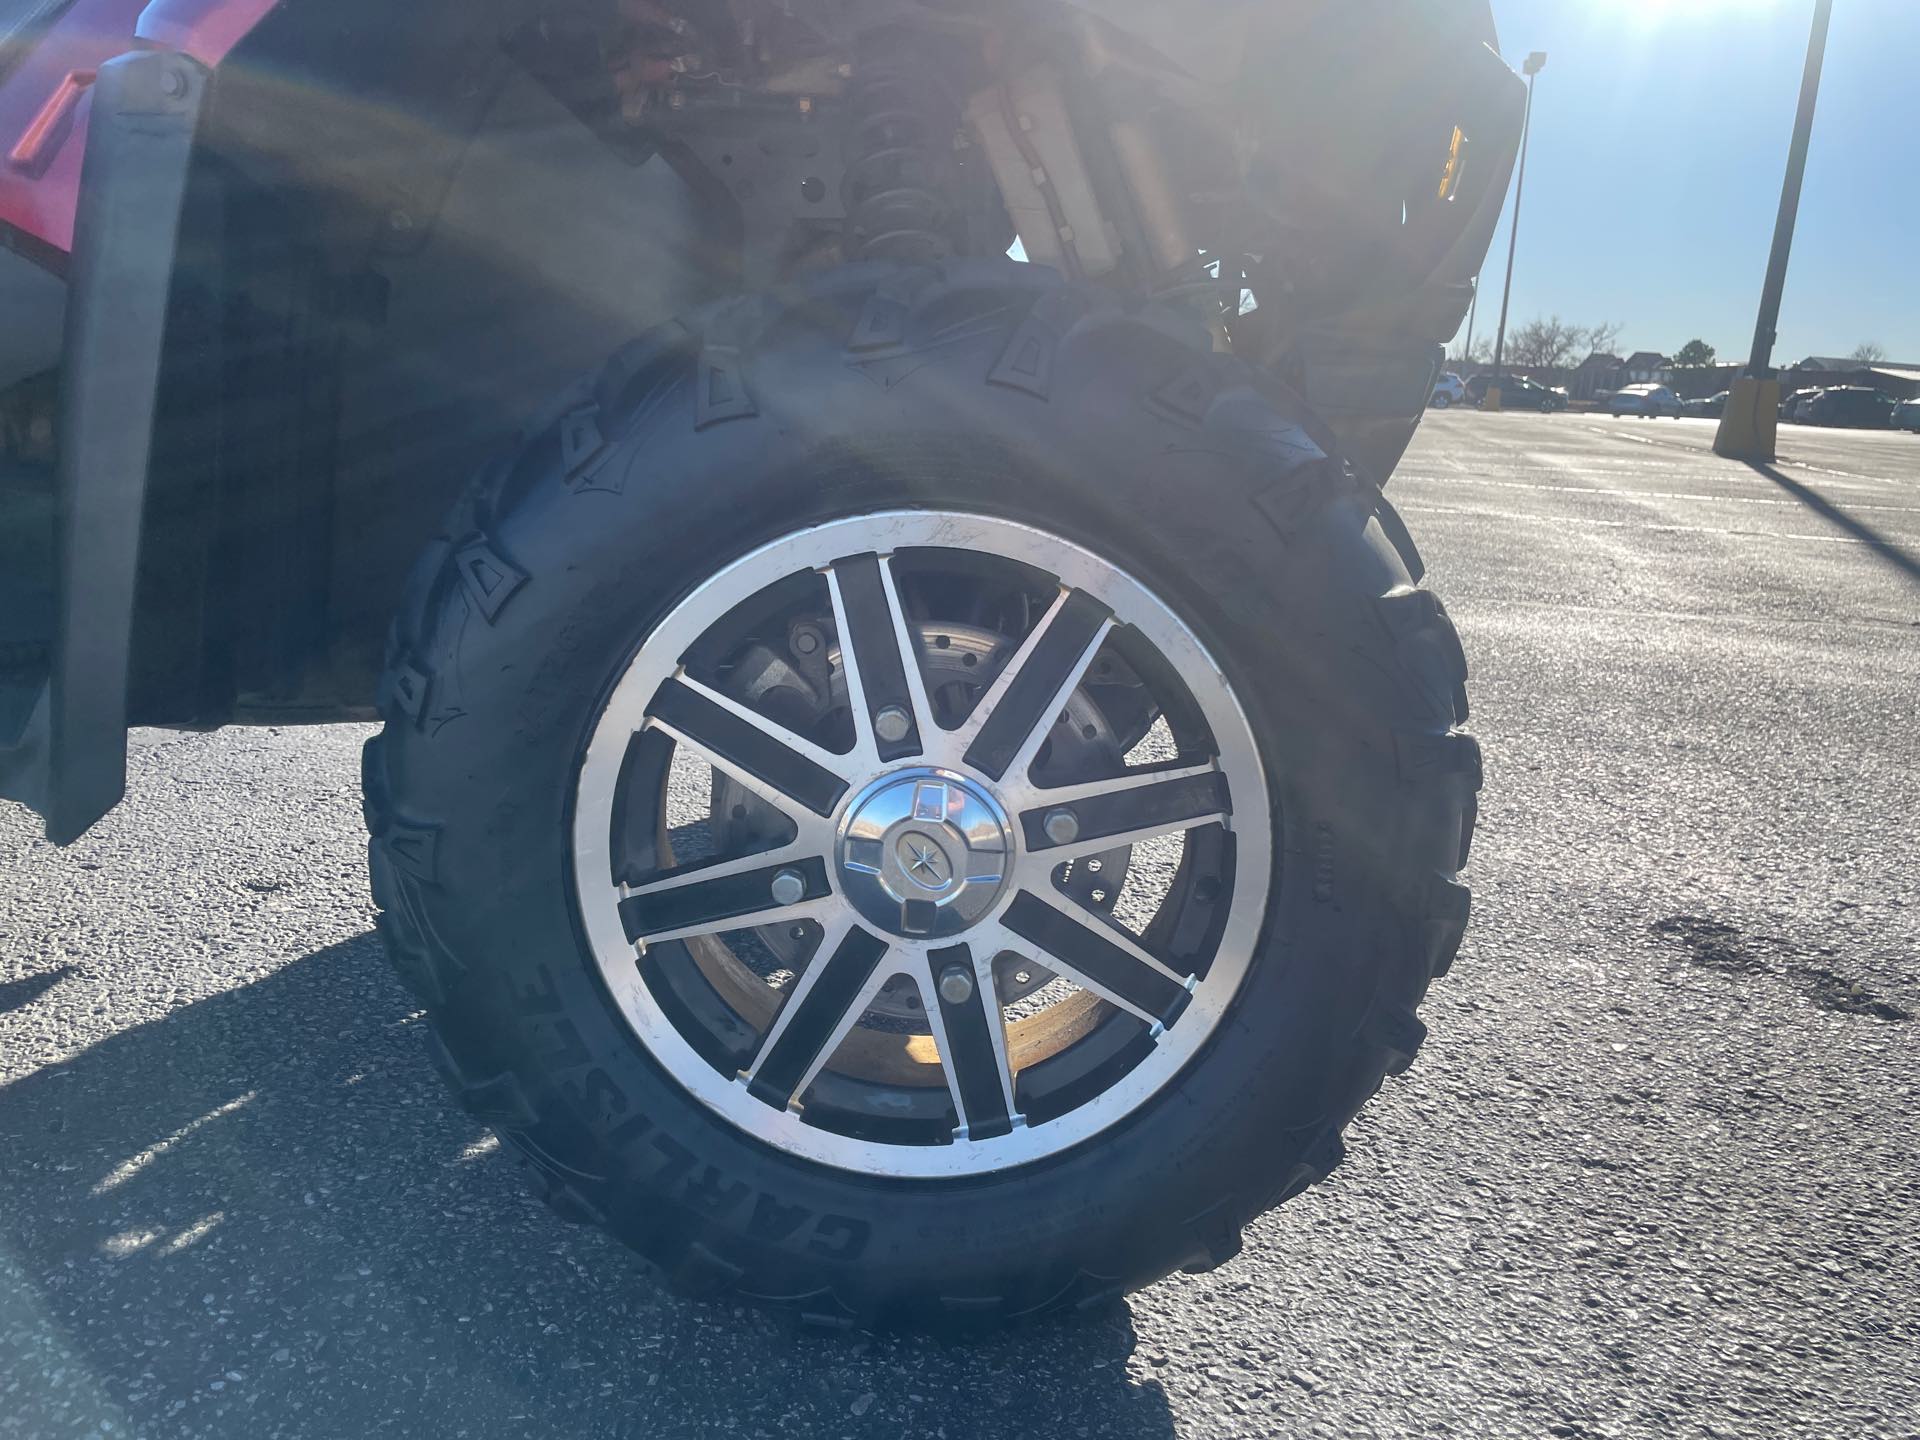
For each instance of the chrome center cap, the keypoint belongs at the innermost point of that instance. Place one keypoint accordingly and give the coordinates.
(923, 852)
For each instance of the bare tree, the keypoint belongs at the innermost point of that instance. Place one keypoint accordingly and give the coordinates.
(1544, 343)
(1868, 353)
(1602, 338)
(1548, 342)
(1480, 354)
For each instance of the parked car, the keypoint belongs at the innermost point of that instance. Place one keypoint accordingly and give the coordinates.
(1852, 406)
(1448, 390)
(1517, 393)
(1708, 407)
(1531, 395)
(1906, 416)
(1648, 400)
(1790, 404)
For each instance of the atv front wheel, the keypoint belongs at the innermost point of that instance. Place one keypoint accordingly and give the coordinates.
(929, 796)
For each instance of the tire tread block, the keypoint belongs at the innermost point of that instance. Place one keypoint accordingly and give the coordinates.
(1188, 397)
(1217, 1237)
(1027, 363)
(1398, 1032)
(1448, 906)
(1428, 645)
(580, 442)
(496, 1100)
(413, 849)
(489, 577)
(1296, 497)
(424, 964)
(405, 689)
(639, 371)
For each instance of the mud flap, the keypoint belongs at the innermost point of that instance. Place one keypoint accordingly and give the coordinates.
(70, 763)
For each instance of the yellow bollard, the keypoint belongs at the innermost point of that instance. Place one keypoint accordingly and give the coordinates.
(1492, 398)
(1751, 421)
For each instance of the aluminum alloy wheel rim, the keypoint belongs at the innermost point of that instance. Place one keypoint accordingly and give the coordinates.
(1094, 597)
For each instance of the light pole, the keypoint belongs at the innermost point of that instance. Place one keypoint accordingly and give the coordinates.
(1750, 423)
(1534, 64)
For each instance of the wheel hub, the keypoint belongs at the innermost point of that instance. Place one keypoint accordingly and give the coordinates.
(924, 852)
(955, 655)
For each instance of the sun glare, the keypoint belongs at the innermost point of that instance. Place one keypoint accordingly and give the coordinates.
(1647, 13)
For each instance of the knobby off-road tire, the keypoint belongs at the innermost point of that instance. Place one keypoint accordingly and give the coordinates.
(989, 389)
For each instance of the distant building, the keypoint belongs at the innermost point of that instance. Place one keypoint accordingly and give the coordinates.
(1899, 382)
(1835, 364)
(1601, 373)
(1647, 367)
(1697, 382)
(1896, 380)
(1598, 372)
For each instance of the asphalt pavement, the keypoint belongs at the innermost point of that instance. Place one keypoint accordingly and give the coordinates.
(1654, 1174)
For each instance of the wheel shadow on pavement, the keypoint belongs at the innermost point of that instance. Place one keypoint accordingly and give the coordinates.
(1901, 559)
(261, 1215)
(18, 994)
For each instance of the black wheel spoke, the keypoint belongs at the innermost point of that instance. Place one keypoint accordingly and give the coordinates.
(971, 1033)
(699, 899)
(823, 1004)
(1012, 718)
(772, 761)
(884, 680)
(1098, 957)
(1104, 814)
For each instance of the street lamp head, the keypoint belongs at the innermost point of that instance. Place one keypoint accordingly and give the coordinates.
(1535, 63)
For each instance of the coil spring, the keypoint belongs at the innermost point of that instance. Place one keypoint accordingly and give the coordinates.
(898, 153)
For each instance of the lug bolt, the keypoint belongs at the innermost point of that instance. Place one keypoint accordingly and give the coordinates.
(956, 985)
(1062, 826)
(892, 724)
(789, 887)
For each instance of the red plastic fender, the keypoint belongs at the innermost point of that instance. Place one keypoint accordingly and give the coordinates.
(45, 101)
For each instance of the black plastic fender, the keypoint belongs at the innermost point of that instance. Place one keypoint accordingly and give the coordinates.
(70, 764)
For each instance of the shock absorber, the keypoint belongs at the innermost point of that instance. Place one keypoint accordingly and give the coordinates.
(900, 158)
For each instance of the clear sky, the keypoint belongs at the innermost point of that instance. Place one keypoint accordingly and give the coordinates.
(1660, 132)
